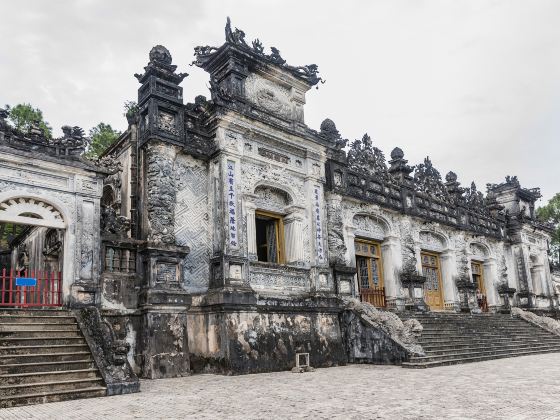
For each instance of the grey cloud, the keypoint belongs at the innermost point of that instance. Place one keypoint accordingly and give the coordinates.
(473, 84)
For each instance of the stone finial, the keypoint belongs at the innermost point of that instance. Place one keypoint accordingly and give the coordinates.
(160, 54)
(397, 153)
(331, 134)
(160, 65)
(398, 165)
(451, 177)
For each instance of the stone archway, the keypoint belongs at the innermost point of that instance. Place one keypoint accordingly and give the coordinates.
(486, 274)
(36, 252)
(436, 262)
(31, 211)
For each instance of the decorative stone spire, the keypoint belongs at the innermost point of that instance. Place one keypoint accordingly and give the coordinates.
(453, 186)
(331, 134)
(364, 157)
(160, 98)
(161, 67)
(399, 168)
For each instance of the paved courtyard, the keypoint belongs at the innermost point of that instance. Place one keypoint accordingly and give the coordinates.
(518, 388)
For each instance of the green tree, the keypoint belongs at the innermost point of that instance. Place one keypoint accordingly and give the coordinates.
(551, 213)
(102, 136)
(23, 116)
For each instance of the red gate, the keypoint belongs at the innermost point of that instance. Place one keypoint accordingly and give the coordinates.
(46, 293)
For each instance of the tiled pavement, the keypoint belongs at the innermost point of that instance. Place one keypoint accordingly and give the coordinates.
(517, 388)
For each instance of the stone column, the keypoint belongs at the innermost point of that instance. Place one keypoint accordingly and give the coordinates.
(391, 262)
(351, 255)
(293, 235)
(448, 270)
(251, 231)
(536, 280)
(490, 275)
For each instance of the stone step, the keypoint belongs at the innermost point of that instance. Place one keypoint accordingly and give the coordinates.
(473, 350)
(60, 348)
(46, 397)
(41, 341)
(40, 333)
(62, 375)
(450, 327)
(457, 335)
(482, 342)
(39, 326)
(470, 324)
(471, 359)
(458, 355)
(461, 338)
(31, 319)
(84, 363)
(43, 357)
(449, 347)
(53, 386)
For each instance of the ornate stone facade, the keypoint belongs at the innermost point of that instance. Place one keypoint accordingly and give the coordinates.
(230, 228)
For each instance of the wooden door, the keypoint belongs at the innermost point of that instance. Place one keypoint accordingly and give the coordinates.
(478, 279)
(433, 295)
(370, 272)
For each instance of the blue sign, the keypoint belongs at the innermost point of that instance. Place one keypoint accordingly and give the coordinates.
(26, 281)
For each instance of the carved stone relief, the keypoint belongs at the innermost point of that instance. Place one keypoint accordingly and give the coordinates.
(167, 122)
(161, 191)
(271, 198)
(268, 95)
(478, 251)
(432, 241)
(370, 226)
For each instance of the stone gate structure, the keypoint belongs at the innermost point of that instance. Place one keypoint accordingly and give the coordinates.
(222, 235)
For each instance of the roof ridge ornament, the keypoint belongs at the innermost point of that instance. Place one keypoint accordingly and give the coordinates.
(160, 64)
(364, 157)
(203, 55)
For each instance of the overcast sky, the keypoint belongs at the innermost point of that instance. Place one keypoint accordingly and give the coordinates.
(473, 84)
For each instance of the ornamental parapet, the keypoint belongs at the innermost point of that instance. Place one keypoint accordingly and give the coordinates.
(72, 144)
(419, 191)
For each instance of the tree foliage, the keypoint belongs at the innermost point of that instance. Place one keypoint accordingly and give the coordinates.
(23, 116)
(551, 213)
(102, 136)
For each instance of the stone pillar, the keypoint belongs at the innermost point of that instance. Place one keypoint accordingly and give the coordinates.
(160, 193)
(162, 344)
(251, 231)
(490, 275)
(351, 256)
(536, 280)
(391, 264)
(293, 235)
(448, 270)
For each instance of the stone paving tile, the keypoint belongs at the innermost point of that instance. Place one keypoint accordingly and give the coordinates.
(520, 388)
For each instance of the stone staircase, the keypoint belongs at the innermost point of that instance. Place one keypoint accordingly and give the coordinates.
(44, 358)
(450, 338)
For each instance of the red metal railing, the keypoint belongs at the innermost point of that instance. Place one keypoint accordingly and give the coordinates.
(375, 296)
(46, 293)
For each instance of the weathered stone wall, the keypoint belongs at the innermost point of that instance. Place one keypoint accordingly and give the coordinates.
(249, 341)
(399, 233)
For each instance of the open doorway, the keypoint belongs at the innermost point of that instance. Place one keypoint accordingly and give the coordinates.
(31, 261)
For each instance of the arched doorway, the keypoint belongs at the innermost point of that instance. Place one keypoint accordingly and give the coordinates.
(31, 253)
(433, 258)
(371, 256)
